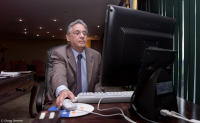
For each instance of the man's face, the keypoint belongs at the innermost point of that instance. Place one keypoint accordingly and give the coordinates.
(77, 36)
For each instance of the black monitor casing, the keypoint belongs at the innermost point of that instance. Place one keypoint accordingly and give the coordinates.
(127, 33)
(154, 90)
(138, 51)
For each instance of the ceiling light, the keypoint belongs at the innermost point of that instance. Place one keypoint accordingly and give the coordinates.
(98, 26)
(37, 35)
(54, 20)
(20, 20)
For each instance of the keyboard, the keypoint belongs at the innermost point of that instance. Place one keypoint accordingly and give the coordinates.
(107, 97)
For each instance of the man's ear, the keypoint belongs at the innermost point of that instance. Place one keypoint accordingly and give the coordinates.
(67, 37)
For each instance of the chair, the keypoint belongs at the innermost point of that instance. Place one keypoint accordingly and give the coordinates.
(39, 66)
(44, 87)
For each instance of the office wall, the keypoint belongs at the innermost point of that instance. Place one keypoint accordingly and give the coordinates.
(27, 50)
(186, 42)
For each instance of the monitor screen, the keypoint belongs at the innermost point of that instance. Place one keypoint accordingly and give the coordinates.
(127, 33)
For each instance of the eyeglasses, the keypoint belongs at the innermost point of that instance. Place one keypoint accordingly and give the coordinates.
(77, 32)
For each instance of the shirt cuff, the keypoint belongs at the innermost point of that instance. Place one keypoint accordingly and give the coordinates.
(60, 88)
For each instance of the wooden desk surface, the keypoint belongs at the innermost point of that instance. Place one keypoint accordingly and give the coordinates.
(13, 87)
(188, 109)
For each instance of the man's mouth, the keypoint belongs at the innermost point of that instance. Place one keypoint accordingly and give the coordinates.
(82, 42)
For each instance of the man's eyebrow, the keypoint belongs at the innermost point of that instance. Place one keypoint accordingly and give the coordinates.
(80, 30)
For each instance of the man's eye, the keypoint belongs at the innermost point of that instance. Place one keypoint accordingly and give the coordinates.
(77, 32)
(84, 33)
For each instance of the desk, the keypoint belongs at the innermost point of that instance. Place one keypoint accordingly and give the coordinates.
(188, 109)
(13, 87)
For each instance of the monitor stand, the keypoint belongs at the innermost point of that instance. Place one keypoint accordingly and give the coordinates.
(154, 90)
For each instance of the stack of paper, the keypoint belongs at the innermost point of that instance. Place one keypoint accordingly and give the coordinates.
(10, 74)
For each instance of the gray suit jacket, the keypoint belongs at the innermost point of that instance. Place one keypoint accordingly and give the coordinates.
(64, 70)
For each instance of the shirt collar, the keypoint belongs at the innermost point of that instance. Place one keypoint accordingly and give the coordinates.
(76, 53)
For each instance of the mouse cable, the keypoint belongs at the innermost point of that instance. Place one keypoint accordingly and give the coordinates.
(141, 116)
(109, 115)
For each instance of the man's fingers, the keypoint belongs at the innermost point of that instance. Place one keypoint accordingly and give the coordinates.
(59, 100)
(71, 97)
(62, 95)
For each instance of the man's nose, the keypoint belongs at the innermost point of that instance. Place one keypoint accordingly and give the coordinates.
(82, 36)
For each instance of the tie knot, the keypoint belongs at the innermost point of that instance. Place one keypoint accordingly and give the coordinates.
(79, 56)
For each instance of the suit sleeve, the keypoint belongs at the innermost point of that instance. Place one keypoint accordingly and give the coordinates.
(98, 85)
(59, 71)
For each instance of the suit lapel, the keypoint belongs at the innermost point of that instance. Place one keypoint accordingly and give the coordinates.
(89, 65)
(89, 62)
(71, 58)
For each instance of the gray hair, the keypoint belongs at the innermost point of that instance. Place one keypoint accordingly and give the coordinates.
(78, 21)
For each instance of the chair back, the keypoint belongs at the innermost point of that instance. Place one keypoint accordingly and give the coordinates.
(49, 68)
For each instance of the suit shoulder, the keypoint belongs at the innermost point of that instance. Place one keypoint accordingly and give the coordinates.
(59, 50)
(93, 51)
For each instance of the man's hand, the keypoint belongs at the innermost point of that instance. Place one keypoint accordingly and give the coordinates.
(62, 95)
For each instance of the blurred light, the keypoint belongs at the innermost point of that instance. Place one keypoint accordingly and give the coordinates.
(20, 20)
(25, 29)
(60, 29)
(98, 26)
(54, 20)
(47, 32)
(25, 32)
(37, 35)
(53, 36)
(40, 27)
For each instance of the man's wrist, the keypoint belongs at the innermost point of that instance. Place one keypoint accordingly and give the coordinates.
(61, 88)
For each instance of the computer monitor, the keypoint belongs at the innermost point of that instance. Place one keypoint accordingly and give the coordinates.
(127, 33)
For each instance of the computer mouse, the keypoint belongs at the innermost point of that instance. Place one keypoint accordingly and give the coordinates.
(68, 105)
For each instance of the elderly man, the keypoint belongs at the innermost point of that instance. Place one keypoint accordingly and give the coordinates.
(76, 68)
